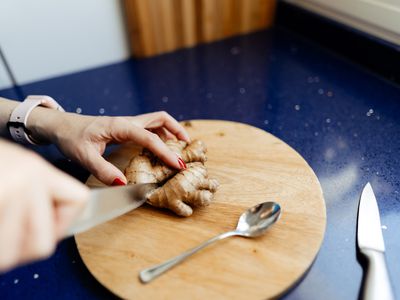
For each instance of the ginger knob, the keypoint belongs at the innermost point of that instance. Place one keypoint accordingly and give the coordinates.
(180, 191)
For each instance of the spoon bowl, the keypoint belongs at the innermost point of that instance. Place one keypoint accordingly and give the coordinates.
(253, 222)
(257, 219)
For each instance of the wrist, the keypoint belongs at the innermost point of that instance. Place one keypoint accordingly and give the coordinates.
(18, 126)
(44, 122)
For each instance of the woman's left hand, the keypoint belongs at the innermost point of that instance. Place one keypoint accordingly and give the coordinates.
(84, 138)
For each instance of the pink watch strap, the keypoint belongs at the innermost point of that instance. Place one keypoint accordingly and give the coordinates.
(19, 117)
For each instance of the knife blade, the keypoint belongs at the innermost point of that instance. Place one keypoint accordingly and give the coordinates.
(108, 203)
(370, 242)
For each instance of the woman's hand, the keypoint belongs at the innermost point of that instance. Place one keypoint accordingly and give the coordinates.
(37, 203)
(84, 138)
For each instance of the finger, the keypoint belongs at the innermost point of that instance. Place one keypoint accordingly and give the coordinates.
(11, 233)
(26, 240)
(65, 188)
(153, 143)
(68, 199)
(41, 239)
(176, 146)
(147, 140)
(163, 133)
(64, 214)
(163, 119)
(103, 170)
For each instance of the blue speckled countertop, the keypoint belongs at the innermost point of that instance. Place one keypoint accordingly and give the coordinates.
(341, 119)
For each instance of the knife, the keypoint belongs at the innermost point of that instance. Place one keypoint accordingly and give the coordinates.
(370, 241)
(108, 203)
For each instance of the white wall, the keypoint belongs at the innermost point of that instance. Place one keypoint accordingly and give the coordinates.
(46, 38)
(377, 17)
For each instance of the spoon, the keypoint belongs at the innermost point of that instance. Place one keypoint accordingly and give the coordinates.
(253, 222)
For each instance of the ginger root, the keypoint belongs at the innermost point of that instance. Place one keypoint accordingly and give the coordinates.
(179, 190)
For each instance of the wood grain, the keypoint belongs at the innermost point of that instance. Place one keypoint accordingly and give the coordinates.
(188, 24)
(252, 166)
(160, 26)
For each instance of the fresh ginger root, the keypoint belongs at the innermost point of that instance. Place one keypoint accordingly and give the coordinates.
(180, 190)
(187, 188)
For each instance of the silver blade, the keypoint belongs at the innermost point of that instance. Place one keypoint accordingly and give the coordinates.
(369, 232)
(108, 203)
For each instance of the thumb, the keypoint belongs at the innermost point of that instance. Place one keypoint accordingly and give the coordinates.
(69, 197)
(103, 170)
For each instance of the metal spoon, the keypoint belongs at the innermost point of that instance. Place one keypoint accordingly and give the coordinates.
(253, 222)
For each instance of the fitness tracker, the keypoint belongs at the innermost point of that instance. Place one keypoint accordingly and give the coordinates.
(19, 116)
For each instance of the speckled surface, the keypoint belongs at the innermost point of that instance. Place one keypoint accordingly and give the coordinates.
(343, 120)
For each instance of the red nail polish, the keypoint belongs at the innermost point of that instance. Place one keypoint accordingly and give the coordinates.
(118, 181)
(182, 163)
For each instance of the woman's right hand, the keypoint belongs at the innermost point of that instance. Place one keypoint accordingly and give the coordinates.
(37, 204)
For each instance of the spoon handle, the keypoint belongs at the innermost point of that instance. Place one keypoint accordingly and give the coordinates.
(149, 274)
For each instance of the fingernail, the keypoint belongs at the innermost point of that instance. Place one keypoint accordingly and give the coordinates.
(118, 181)
(181, 163)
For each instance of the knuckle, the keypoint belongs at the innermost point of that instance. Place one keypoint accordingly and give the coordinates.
(164, 115)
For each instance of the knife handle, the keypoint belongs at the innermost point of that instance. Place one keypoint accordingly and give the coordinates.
(377, 281)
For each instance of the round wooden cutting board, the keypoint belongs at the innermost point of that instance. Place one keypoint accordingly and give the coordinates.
(252, 166)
